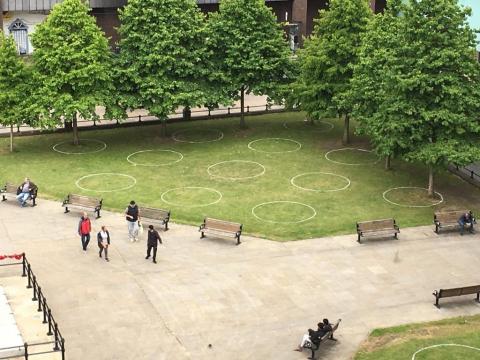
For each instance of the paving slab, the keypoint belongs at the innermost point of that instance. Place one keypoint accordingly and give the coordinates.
(252, 301)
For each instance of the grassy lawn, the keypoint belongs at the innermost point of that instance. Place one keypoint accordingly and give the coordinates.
(404, 342)
(196, 179)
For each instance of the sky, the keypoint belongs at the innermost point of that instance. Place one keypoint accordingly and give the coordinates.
(475, 18)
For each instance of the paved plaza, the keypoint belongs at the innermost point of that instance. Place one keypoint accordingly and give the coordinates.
(252, 301)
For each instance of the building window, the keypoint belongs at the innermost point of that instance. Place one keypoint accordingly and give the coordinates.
(19, 31)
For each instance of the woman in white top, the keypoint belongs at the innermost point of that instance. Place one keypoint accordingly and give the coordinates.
(103, 238)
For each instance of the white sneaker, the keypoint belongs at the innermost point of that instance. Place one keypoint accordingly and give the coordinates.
(132, 240)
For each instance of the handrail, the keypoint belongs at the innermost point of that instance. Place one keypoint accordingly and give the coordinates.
(472, 172)
(39, 297)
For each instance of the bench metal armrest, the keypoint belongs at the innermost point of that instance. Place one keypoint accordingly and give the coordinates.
(65, 201)
(395, 226)
(435, 293)
(201, 227)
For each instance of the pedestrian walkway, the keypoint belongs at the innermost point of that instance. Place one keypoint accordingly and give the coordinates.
(252, 301)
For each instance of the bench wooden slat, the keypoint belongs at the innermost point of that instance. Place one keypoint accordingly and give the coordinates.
(82, 202)
(466, 290)
(377, 227)
(221, 227)
(153, 216)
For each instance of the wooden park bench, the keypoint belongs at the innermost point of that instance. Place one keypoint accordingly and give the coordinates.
(10, 190)
(328, 336)
(221, 227)
(377, 228)
(82, 202)
(466, 290)
(151, 216)
(448, 218)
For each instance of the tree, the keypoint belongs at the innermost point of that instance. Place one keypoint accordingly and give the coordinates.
(14, 78)
(162, 50)
(373, 86)
(440, 87)
(73, 63)
(328, 59)
(247, 51)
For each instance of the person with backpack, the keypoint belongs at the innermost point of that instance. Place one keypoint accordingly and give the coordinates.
(84, 229)
(132, 215)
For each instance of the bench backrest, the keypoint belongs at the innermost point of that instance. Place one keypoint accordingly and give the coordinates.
(151, 213)
(448, 216)
(11, 188)
(467, 290)
(376, 225)
(83, 200)
(222, 225)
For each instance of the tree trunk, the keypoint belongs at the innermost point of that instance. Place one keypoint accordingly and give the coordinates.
(243, 125)
(431, 191)
(310, 120)
(187, 113)
(388, 162)
(163, 129)
(1, 17)
(11, 138)
(75, 130)
(346, 130)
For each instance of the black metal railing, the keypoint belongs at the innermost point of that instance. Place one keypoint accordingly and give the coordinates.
(58, 341)
(195, 114)
(467, 171)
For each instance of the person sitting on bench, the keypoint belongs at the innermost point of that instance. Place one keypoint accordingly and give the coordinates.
(306, 338)
(465, 219)
(24, 191)
(326, 325)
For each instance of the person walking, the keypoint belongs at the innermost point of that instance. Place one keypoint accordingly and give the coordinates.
(153, 240)
(103, 238)
(84, 229)
(132, 215)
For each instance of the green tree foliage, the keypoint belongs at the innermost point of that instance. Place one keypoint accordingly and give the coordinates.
(73, 64)
(370, 93)
(328, 59)
(162, 56)
(14, 80)
(429, 87)
(247, 51)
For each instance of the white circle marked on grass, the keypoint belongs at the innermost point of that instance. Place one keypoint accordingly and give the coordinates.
(104, 146)
(134, 182)
(236, 178)
(329, 127)
(353, 164)
(162, 164)
(175, 136)
(347, 180)
(314, 212)
(192, 187)
(411, 206)
(443, 345)
(299, 146)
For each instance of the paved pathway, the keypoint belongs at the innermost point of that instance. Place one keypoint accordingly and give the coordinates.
(252, 301)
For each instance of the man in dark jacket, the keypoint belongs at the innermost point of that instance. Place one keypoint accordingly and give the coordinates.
(466, 219)
(153, 240)
(84, 229)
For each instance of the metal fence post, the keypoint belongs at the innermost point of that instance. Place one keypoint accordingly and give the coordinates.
(29, 274)
(25, 347)
(40, 295)
(24, 266)
(49, 333)
(44, 306)
(229, 110)
(248, 108)
(139, 118)
(34, 288)
(471, 174)
(55, 332)
(62, 343)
